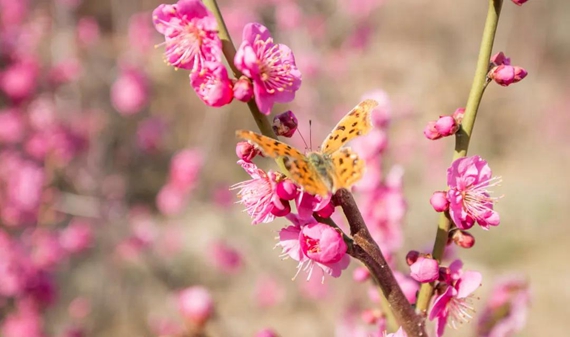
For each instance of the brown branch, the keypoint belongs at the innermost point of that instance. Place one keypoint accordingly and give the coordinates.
(366, 250)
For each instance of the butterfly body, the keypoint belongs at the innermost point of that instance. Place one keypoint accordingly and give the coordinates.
(331, 168)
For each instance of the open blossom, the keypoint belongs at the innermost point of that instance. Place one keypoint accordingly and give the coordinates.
(314, 244)
(453, 305)
(469, 201)
(259, 194)
(190, 33)
(212, 84)
(271, 67)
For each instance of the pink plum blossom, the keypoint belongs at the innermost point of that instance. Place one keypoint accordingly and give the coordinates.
(170, 200)
(140, 32)
(19, 79)
(212, 84)
(190, 32)
(185, 167)
(271, 67)
(268, 292)
(361, 274)
(519, 2)
(314, 244)
(468, 179)
(503, 73)
(259, 193)
(446, 126)
(150, 132)
(462, 238)
(246, 151)
(88, 32)
(452, 305)
(76, 237)
(196, 304)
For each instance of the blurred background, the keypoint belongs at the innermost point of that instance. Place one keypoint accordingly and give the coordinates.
(98, 134)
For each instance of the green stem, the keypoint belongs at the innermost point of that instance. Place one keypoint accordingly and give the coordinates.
(463, 136)
(229, 51)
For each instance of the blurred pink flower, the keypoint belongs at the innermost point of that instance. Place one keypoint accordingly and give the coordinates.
(266, 333)
(259, 193)
(314, 244)
(360, 9)
(506, 311)
(65, 71)
(409, 286)
(452, 306)
(76, 237)
(129, 92)
(88, 31)
(19, 79)
(150, 132)
(24, 188)
(166, 327)
(13, 13)
(212, 84)
(361, 274)
(185, 168)
(371, 145)
(42, 113)
(12, 126)
(268, 292)
(225, 258)
(141, 33)
(399, 333)
(196, 305)
(46, 252)
(271, 67)
(79, 307)
(288, 15)
(191, 34)
(468, 179)
(170, 200)
(25, 321)
(424, 270)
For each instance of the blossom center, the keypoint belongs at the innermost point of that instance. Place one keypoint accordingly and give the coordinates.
(274, 68)
(312, 245)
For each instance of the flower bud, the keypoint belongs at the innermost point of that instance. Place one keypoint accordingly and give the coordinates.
(503, 75)
(439, 201)
(243, 89)
(431, 132)
(285, 124)
(463, 239)
(326, 211)
(196, 305)
(286, 189)
(446, 126)
(458, 115)
(425, 270)
(500, 58)
(520, 73)
(246, 151)
(412, 257)
(282, 208)
(519, 2)
(361, 274)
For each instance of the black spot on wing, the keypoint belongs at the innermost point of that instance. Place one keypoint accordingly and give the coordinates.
(351, 131)
(341, 128)
(354, 124)
(344, 139)
(335, 137)
(341, 161)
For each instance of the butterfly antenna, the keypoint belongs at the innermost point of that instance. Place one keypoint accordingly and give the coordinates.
(303, 138)
(310, 135)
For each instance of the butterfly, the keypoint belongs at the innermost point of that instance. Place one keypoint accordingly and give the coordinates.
(332, 167)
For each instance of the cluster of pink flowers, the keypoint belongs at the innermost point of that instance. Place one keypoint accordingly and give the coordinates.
(192, 43)
(39, 148)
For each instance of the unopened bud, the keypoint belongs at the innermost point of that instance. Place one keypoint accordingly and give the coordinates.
(500, 58)
(520, 73)
(196, 305)
(285, 124)
(519, 2)
(463, 239)
(246, 151)
(424, 270)
(439, 201)
(446, 126)
(243, 89)
(431, 132)
(458, 115)
(412, 257)
(286, 189)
